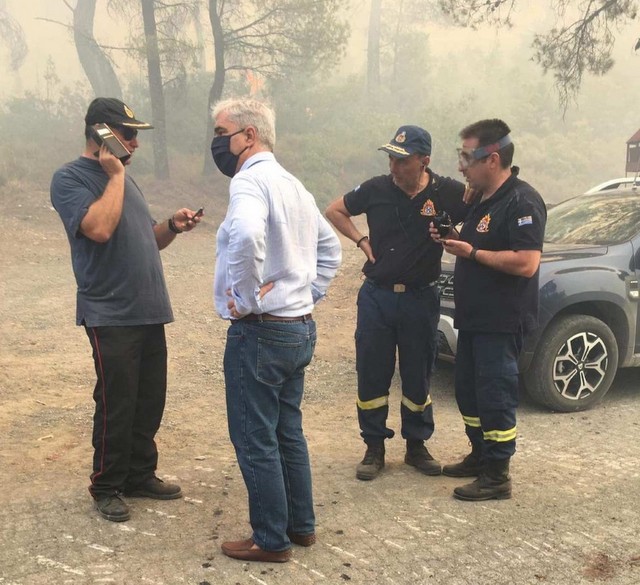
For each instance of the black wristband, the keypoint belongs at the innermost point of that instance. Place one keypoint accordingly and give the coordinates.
(472, 254)
(362, 239)
(173, 227)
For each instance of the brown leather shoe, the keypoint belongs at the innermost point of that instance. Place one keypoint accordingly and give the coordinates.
(302, 539)
(244, 550)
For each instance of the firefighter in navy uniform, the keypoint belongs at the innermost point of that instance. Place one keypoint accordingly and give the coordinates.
(398, 303)
(496, 296)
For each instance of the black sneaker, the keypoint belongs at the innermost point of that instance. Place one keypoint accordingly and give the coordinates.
(155, 489)
(419, 457)
(372, 464)
(113, 508)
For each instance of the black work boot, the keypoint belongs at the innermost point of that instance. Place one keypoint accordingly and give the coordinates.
(155, 489)
(373, 462)
(112, 508)
(470, 466)
(493, 483)
(419, 457)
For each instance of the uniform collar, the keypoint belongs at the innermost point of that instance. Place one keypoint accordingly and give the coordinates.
(504, 188)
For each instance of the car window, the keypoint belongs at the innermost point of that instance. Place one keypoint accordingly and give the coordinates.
(599, 219)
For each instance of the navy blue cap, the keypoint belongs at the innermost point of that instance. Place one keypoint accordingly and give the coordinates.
(408, 140)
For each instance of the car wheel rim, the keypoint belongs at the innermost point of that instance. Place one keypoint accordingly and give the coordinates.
(580, 366)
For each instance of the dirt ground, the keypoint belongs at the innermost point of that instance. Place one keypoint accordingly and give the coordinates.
(574, 517)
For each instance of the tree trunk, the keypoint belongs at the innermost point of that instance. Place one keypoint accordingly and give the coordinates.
(396, 44)
(201, 59)
(95, 64)
(215, 93)
(156, 92)
(373, 49)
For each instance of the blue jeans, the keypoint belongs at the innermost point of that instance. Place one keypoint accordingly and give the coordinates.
(264, 373)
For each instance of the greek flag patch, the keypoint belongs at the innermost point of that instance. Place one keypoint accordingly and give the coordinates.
(526, 220)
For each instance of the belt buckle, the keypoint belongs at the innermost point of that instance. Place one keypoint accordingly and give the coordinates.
(399, 288)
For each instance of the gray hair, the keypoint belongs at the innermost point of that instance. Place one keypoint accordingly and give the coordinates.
(249, 112)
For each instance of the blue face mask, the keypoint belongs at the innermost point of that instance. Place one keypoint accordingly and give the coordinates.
(225, 160)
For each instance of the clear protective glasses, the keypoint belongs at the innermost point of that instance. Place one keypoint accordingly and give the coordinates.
(469, 157)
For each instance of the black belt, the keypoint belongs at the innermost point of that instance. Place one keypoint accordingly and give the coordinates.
(268, 317)
(399, 287)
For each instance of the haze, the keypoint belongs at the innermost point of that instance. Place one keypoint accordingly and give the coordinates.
(472, 74)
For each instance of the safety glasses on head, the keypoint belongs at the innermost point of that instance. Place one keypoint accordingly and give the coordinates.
(468, 157)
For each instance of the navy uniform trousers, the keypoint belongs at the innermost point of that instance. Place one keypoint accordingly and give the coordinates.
(407, 321)
(486, 382)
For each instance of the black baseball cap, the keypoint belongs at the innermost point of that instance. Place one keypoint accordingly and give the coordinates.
(113, 111)
(408, 140)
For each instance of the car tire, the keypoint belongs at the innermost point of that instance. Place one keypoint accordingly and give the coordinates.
(574, 364)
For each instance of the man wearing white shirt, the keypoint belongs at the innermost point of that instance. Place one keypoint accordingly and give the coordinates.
(276, 255)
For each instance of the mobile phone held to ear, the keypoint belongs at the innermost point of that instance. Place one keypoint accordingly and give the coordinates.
(101, 133)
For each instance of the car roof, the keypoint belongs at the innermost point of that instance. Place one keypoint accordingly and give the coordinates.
(621, 182)
(627, 191)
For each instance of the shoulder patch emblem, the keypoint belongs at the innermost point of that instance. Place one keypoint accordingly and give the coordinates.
(400, 138)
(526, 220)
(483, 224)
(428, 208)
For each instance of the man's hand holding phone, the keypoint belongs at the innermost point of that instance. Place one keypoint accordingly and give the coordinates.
(186, 219)
(111, 164)
(457, 247)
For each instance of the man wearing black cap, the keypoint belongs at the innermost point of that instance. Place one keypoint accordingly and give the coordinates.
(398, 303)
(123, 304)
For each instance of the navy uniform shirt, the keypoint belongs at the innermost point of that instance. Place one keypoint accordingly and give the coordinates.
(488, 300)
(399, 227)
(120, 282)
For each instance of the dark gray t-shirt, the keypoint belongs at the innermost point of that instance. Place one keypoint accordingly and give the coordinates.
(121, 281)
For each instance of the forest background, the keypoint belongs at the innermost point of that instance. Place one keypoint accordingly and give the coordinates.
(342, 76)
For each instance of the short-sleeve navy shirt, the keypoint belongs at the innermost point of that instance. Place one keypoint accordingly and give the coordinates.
(489, 300)
(120, 282)
(399, 227)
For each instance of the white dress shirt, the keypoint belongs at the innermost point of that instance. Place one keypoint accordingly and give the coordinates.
(273, 232)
